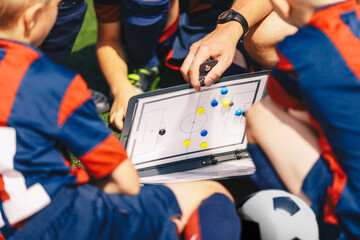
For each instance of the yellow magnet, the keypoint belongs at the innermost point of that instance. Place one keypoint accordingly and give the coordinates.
(187, 143)
(204, 145)
(226, 102)
(200, 110)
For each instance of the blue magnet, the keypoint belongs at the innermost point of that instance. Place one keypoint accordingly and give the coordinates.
(203, 133)
(214, 103)
(224, 90)
(239, 112)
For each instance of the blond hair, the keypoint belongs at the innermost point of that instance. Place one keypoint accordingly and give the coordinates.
(10, 11)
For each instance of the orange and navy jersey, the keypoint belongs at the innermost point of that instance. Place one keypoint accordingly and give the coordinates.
(110, 10)
(147, 20)
(107, 11)
(319, 71)
(45, 109)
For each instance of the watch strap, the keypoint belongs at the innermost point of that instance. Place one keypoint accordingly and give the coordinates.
(242, 20)
(235, 16)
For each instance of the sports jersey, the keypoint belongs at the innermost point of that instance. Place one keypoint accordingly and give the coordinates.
(147, 19)
(319, 71)
(109, 10)
(45, 111)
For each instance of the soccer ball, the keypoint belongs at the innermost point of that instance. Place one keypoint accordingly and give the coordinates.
(277, 215)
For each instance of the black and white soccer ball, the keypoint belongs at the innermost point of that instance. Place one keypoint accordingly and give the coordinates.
(277, 215)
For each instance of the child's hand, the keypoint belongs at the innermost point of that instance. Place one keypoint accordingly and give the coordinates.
(119, 107)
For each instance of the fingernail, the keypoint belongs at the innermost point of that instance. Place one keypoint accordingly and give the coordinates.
(208, 81)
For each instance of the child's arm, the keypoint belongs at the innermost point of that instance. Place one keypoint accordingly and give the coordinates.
(83, 133)
(112, 61)
(123, 179)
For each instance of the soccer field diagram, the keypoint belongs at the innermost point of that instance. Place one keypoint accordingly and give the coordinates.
(184, 124)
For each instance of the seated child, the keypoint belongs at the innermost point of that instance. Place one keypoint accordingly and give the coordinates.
(315, 152)
(45, 112)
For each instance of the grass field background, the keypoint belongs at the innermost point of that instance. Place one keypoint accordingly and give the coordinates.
(83, 58)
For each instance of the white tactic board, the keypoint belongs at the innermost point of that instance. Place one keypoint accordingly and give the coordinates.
(178, 124)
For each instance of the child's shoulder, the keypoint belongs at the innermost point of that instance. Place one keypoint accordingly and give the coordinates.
(52, 73)
(303, 38)
(43, 81)
(34, 65)
(52, 88)
(305, 44)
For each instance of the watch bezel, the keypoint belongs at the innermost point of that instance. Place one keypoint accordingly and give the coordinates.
(232, 15)
(227, 18)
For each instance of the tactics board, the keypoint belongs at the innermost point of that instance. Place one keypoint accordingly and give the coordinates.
(177, 129)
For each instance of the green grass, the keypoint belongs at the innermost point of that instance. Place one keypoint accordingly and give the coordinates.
(87, 34)
(83, 57)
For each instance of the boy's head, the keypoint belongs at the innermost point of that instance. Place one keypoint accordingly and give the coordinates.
(28, 21)
(299, 12)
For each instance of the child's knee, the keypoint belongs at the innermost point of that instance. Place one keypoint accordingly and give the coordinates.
(216, 187)
(259, 115)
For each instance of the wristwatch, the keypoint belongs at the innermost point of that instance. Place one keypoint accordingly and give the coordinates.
(231, 15)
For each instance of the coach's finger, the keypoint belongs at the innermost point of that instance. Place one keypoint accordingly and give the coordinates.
(187, 62)
(216, 72)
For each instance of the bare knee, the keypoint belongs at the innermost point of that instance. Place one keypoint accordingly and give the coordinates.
(202, 189)
(219, 188)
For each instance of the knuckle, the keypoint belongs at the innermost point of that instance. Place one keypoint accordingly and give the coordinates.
(215, 76)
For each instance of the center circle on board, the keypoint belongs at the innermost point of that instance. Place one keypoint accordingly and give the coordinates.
(193, 122)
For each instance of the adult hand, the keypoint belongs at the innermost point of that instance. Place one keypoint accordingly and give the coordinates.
(119, 106)
(220, 45)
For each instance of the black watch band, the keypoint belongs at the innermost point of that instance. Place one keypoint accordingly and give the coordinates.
(231, 15)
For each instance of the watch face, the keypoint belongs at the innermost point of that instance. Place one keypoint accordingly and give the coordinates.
(225, 14)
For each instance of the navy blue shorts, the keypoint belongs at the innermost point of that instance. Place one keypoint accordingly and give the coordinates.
(316, 183)
(58, 44)
(315, 188)
(85, 212)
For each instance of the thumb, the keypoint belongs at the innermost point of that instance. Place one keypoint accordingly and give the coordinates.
(216, 72)
(208, 81)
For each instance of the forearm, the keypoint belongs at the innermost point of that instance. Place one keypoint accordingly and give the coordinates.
(111, 56)
(113, 65)
(123, 179)
(252, 10)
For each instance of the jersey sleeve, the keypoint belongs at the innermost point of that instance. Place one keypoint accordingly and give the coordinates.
(283, 84)
(84, 133)
(107, 11)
